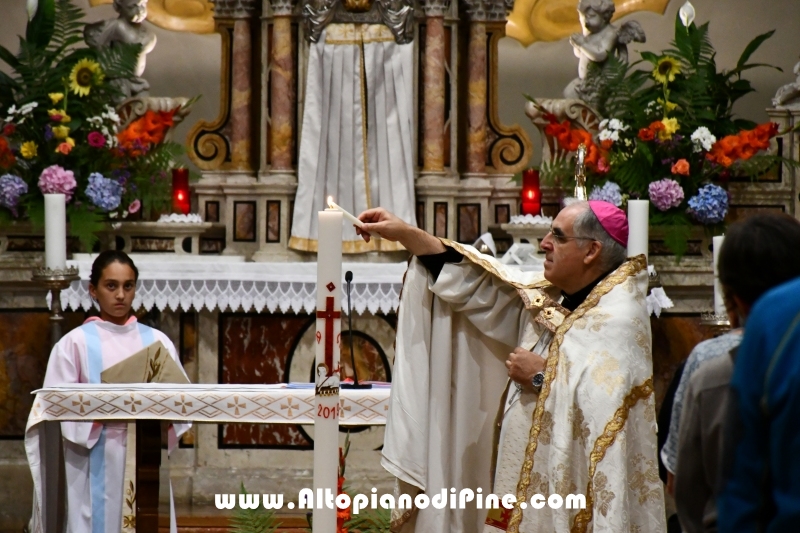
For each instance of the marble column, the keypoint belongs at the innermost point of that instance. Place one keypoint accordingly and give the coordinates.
(282, 92)
(476, 99)
(434, 80)
(241, 112)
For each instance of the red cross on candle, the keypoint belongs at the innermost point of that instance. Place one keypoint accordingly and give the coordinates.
(329, 315)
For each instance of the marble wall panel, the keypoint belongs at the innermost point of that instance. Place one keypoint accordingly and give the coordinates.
(502, 214)
(469, 222)
(212, 211)
(24, 352)
(244, 221)
(440, 219)
(421, 215)
(253, 349)
(273, 221)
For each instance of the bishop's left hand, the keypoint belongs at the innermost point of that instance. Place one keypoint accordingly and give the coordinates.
(522, 365)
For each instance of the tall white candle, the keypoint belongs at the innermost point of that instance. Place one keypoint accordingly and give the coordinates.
(55, 231)
(719, 303)
(638, 227)
(326, 421)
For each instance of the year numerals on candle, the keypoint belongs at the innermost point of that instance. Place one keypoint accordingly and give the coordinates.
(323, 411)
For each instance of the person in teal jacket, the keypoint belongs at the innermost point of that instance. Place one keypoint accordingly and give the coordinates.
(760, 487)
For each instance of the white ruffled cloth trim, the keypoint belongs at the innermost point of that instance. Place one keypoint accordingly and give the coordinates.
(223, 283)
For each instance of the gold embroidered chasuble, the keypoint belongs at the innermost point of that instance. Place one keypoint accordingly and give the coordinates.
(590, 431)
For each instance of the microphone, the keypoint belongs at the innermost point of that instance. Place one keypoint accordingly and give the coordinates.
(348, 278)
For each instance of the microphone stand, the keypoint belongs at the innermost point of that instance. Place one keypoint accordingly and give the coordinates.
(348, 277)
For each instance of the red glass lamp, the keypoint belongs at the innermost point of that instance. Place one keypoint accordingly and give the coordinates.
(181, 202)
(531, 193)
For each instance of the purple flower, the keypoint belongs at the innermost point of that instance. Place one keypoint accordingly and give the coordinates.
(56, 180)
(710, 205)
(103, 192)
(665, 194)
(11, 188)
(609, 192)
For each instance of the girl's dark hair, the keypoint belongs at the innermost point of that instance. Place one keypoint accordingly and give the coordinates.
(759, 253)
(105, 259)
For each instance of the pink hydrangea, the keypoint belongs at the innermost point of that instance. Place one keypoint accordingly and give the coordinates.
(56, 180)
(96, 139)
(666, 194)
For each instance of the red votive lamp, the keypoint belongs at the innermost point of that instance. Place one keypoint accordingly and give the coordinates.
(531, 193)
(181, 202)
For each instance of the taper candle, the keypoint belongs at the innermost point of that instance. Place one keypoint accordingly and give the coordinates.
(55, 231)
(638, 227)
(719, 302)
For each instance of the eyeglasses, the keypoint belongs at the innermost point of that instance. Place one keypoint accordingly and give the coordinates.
(559, 238)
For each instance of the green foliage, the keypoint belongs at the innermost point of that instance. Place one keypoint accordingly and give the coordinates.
(83, 224)
(253, 520)
(371, 521)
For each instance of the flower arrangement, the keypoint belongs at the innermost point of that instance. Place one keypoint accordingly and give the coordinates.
(670, 135)
(58, 135)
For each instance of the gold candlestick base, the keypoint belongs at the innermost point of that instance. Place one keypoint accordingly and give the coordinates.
(55, 280)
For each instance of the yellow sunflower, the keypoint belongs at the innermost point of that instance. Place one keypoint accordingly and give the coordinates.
(84, 74)
(29, 149)
(666, 68)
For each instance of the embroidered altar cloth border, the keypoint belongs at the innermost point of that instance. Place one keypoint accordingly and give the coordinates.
(224, 284)
(257, 404)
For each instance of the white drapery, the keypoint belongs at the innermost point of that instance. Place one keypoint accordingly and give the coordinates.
(352, 69)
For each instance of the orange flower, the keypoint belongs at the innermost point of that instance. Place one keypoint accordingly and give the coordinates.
(7, 159)
(606, 144)
(146, 130)
(681, 167)
(657, 126)
(646, 134)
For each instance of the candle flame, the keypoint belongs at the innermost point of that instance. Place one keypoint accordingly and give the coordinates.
(330, 202)
(530, 195)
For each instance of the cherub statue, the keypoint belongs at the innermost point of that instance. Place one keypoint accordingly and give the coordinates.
(127, 28)
(599, 39)
(789, 94)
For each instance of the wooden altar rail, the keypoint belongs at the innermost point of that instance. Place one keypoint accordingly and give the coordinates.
(150, 404)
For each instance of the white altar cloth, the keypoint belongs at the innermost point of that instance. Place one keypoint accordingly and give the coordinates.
(225, 283)
(258, 404)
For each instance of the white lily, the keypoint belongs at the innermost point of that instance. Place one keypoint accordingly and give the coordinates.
(33, 7)
(687, 14)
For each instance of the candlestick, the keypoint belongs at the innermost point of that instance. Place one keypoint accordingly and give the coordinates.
(638, 227)
(55, 231)
(719, 302)
(580, 173)
(328, 335)
(347, 215)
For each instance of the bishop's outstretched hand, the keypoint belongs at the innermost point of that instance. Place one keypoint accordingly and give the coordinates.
(379, 221)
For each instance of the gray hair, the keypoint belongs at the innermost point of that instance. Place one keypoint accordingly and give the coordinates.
(586, 224)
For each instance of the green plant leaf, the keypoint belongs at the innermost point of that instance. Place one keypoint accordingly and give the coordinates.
(8, 57)
(258, 520)
(84, 225)
(751, 47)
(676, 239)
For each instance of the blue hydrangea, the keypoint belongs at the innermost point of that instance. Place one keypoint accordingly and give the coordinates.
(710, 205)
(11, 188)
(609, 192)
(105, 193)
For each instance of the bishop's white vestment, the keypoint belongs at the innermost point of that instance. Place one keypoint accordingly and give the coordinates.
(94, 453)
(356, 143)
(455, 423)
